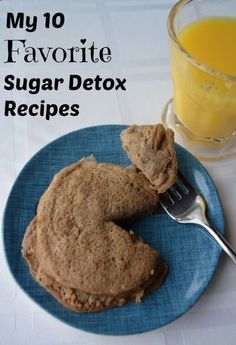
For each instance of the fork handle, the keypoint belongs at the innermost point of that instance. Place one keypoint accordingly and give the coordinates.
(221, 241)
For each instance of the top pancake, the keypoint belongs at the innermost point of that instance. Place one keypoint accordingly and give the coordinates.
(79, 244)
(151, 149)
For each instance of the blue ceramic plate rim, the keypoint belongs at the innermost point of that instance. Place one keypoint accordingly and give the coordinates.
(96, 330)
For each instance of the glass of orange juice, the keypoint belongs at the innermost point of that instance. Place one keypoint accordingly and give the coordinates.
(202, 37)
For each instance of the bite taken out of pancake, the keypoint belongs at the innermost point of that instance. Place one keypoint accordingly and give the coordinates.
(151, 149)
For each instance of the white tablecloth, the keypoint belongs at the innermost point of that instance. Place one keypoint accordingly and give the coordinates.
(135, 30)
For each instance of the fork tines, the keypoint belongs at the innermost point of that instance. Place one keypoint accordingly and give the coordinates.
(184, 182)
(176, 192)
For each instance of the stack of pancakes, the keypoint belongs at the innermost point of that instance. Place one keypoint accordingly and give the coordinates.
(75, 246)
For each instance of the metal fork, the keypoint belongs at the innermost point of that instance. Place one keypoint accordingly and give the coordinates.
(183, 204)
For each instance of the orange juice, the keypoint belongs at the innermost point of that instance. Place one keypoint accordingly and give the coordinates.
(205, 82)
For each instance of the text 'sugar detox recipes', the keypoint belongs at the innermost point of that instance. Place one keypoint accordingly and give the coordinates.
(18, 50)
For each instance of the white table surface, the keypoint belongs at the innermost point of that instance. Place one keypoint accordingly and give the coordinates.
(136, 32)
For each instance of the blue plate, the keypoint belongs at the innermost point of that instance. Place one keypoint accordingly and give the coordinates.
(192, 256)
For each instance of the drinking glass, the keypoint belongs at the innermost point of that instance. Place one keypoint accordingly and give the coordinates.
(202, 112)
